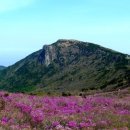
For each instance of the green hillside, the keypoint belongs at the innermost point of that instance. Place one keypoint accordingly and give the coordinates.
(68, 65)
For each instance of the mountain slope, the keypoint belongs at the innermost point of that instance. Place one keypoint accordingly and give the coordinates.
(68, 65)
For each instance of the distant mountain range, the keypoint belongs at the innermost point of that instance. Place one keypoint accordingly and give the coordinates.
(68, 65)
(2, 67)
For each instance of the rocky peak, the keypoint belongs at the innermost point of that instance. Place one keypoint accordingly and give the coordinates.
(64, 50)
(49, 52)
(67, 40)
(66, 43)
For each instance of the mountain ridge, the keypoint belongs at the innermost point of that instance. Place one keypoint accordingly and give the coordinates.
(68, 65)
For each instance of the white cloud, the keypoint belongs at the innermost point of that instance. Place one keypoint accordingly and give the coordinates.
(8, 5)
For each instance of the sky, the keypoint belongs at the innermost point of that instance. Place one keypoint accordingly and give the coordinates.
(26, 25)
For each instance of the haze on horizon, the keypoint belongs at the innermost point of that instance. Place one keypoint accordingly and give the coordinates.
(26, 25)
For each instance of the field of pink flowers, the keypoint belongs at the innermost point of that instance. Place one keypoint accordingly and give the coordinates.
(28, 112)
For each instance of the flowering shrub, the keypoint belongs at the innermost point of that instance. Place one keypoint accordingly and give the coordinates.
(72, 124)
(27, 112)
(37, 116)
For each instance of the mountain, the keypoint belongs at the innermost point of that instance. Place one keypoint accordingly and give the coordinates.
(2, 67)
(68, 65)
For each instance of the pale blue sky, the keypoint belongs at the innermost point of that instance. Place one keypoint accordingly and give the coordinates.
(26, 25)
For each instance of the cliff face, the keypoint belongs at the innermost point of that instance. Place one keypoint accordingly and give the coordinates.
(50, 54)
(68, 65)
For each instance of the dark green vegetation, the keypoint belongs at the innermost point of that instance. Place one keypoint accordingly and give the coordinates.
(68, 66)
